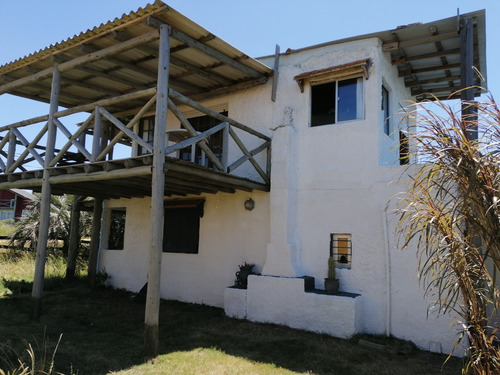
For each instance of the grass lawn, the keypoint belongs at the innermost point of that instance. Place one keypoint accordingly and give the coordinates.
(102, 334)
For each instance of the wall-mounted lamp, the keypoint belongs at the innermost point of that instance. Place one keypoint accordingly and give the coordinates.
(249, 204)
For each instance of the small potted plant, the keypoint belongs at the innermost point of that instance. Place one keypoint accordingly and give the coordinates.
(331, 283)
(242, 275)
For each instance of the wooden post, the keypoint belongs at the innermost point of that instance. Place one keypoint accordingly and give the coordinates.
(96, 140)
(152, 312)
(95, 240)
(469, 111)
(74, 238)
(276, 73)
(43, 231)
(11, 155)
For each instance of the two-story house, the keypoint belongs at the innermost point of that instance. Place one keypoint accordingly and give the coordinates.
(204, 158)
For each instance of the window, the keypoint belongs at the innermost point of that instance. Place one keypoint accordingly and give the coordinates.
(385, 111)
(146, 131)
(182, 226)
(215, 141)
(116, 234)
(337, 101)
(341, 249)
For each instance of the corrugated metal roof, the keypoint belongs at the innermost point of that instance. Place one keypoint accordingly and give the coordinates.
(427, 55)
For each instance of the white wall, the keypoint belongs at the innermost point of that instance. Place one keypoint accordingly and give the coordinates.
(326, 179)
(229, 236)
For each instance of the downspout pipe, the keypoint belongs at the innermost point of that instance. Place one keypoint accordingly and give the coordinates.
(388, 299)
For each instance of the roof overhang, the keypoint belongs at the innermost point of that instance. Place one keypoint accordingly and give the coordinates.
(427, 55)
(201, 64)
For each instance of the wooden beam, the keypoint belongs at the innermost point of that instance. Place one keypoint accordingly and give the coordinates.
(95, 56)
(122, 64)
(95, 240)
(392, 46)
(152, 311)
(454, 51)
(215, 177)
(179, 35)
(178, 62)
(74, 238)
(90, 86)
(130, 125)
(43, 231)
(434, 90)
(192, 132)
(431, 80)
(407, 72)
(210, 112)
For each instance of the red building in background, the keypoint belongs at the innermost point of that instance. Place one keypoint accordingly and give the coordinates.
(13, 203)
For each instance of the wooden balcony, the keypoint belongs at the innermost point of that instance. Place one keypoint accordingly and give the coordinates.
(110, 77)
(99, 157)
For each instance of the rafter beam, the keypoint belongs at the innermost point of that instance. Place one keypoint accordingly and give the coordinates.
(402, 60)
(392, 46)
(417, 82)
(191, 42)
(81, 60)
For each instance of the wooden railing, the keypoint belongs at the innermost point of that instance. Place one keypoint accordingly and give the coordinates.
(101, 134)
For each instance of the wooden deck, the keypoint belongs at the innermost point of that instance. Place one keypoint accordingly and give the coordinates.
(130, 178)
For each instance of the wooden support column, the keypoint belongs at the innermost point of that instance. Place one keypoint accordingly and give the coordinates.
(96, 140)
(152, 312)
(469, 111)
(43, 231)
(74, 238)
(11, 155)
(95, 240)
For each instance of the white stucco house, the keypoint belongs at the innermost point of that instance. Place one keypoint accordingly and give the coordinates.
(319, 167)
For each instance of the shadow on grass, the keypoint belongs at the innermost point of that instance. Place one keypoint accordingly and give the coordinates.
(18, 287)
(102, 332)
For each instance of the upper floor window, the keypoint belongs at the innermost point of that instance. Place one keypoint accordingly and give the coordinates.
(146, 131)
(384, 107)
(336, 92)
(337, 101)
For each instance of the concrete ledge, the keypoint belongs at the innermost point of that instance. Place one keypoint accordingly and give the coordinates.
(235, 302)
(282, 300)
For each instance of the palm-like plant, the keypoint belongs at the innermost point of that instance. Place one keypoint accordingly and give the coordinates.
(26, 233)
(451, 212)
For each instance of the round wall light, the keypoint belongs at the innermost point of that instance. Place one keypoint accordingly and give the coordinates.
(249, 204)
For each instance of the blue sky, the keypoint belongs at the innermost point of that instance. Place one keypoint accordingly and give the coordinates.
(254, 27)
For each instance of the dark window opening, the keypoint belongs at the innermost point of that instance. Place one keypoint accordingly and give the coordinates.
(337, 101)
(404, 149)
(385, 110)
(146, 131)
(182, 226)
(323, 104)
(116, 238)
